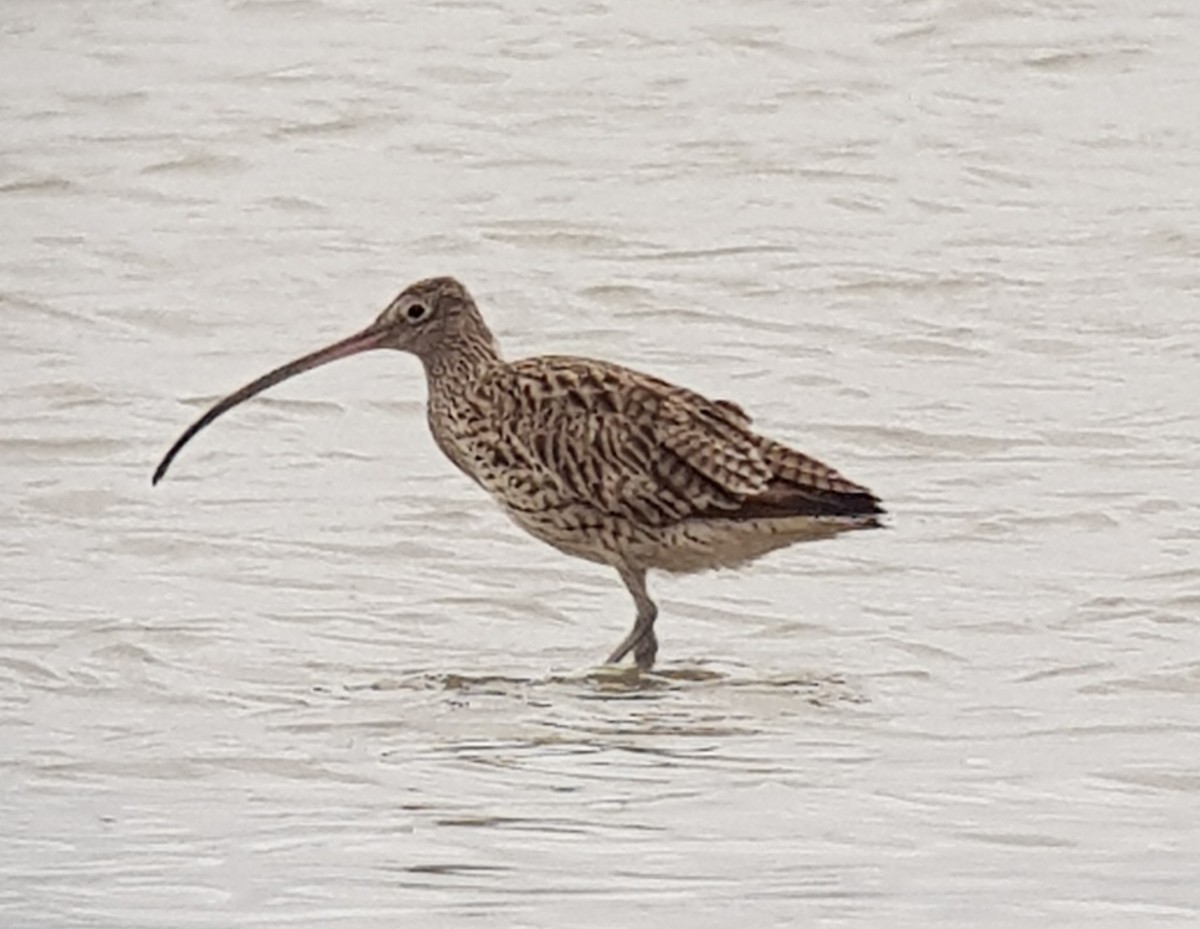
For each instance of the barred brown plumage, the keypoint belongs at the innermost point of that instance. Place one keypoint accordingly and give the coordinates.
(598, 460)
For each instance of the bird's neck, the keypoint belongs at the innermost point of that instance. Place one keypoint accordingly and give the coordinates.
(457, 378)
(462, 363)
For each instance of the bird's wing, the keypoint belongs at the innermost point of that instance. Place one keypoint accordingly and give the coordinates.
(620, 441)
(634, 445)
(765, 479)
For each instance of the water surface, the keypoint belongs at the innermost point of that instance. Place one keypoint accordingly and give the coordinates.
(316, 679)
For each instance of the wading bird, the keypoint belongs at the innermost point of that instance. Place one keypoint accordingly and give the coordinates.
(600, 461)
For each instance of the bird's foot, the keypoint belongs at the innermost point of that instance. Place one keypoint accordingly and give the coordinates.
(645, 651)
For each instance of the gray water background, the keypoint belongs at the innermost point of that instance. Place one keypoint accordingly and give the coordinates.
(316, 679)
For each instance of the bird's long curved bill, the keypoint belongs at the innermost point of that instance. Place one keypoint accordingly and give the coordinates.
(371, 337)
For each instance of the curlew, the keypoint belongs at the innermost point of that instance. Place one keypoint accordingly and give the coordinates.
(598, 460)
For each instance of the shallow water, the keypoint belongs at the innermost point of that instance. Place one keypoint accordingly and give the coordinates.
(315, 678)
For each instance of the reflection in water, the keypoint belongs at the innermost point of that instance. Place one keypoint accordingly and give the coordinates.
(619, 681)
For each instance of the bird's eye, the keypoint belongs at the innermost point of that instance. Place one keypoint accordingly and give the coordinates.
(416, 312)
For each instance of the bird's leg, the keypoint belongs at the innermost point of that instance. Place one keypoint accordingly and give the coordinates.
(645, 650)
(641, 639)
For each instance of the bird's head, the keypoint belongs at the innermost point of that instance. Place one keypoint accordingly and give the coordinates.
(430, 318)
(434, 319)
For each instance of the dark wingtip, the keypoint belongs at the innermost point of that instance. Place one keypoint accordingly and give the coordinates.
(877, 514)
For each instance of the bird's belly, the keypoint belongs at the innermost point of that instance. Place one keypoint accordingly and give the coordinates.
(704, 544)
(683, 548)
(580, 531)
(536, 500)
